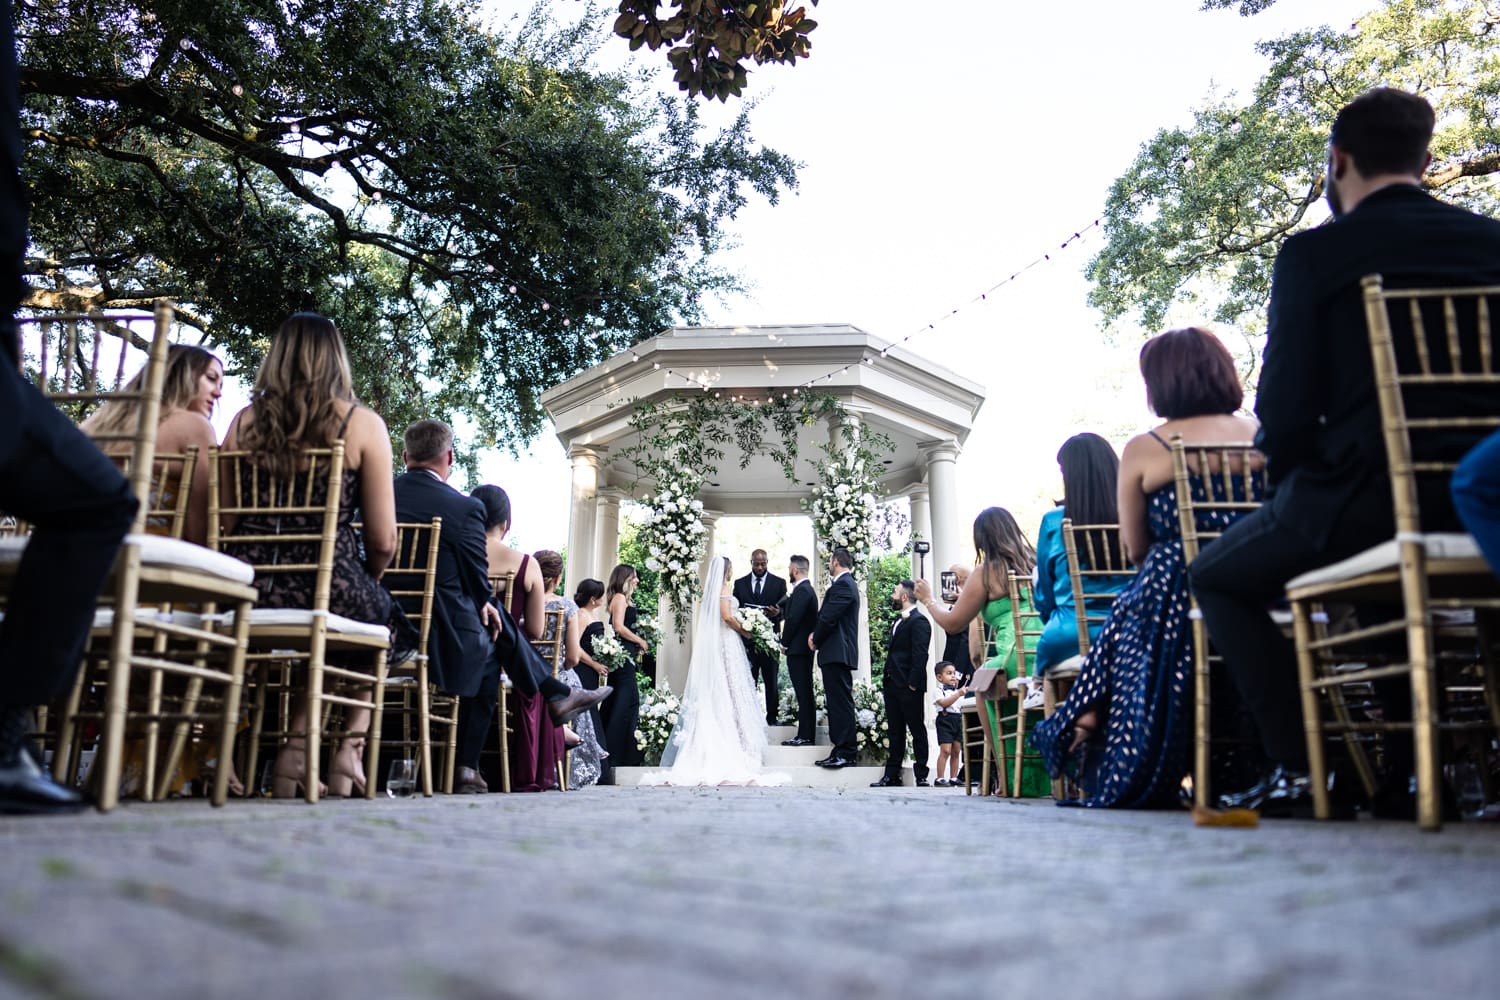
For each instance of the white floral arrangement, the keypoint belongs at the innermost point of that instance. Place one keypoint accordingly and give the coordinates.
(762, 633)
(659, 708)
(874, 740)
(676, 540)
(842, 512)
(649, 629)
(609, 650)
(787, 706)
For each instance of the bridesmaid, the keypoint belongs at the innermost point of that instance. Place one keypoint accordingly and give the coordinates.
(622, 711)
(1003, 549)
(591, 673)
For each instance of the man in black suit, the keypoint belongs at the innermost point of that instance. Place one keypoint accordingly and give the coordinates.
(762, 589)
(78, 503)
(905, 683)
(1320, 430)
(798, 617)
(835, 639)
(471, 640)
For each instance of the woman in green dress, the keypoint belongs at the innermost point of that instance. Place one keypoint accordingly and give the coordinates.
(1003, 549)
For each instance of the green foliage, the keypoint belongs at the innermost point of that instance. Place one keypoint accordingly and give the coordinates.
(633, 551)
(709, 41)
(1201, 213)
(884, 573)
(484, 216)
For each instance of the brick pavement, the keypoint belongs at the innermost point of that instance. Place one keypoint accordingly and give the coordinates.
(732, 893)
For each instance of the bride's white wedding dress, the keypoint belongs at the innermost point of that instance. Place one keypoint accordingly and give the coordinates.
(720, 729)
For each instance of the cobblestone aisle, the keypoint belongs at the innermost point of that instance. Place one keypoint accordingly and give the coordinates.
(734, 893)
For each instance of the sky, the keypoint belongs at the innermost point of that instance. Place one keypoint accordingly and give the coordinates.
(944, 146)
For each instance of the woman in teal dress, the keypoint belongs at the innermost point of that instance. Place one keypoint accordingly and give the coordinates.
(1003, 549)
(1090, 470)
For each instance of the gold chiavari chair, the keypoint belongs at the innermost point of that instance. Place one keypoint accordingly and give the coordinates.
(302, 511)
(143, 628)
(973, 746)
(1231, 484)
(553, 649)
(1429, 348)
(1027, 623)
(501, 586)
(411, 579)
(996, 783)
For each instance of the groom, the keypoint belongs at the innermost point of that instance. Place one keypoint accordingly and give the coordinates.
(836, 642)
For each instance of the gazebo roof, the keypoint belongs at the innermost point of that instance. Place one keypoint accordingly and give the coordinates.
(913, 401)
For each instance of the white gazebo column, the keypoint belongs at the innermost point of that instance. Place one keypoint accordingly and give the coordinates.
(582, 523)
(676, 654)
(607, 532)
(921, 527)
(942, 485)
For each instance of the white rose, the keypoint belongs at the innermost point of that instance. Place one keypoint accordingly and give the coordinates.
(639, 736)
(652, 564)
(672, 718)
(866, 717)
(674, 565)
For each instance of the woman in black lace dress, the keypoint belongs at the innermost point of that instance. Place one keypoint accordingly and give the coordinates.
(304, 398)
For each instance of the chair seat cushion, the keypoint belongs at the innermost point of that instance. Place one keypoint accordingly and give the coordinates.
(1066, 670)
(271, 617)
(158, 551)
(105, 617)
(1387, 555)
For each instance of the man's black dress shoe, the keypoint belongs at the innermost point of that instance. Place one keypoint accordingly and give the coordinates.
(1280, 794)
(886, 781)
(825, 760)
(796, 741)
(564, 709)
(921, 782)
(834, 763)
(24, 788)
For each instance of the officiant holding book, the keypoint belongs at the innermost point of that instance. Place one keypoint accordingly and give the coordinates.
(760, 588)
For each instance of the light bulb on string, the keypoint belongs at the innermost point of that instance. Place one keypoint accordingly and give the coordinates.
(296, 128)
(634, 356)
(237, 90)
(489, 269)
(546, 305)
(566, 321)
(655, 365)
(512, 289)
(185, 44)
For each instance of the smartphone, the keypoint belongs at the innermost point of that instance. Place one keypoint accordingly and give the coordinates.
(948, 585)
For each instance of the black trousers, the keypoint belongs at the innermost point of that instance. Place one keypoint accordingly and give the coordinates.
(475, 715)
(800, 669)
(1239, 575)
(80, 508)
(766, 669)
(838, 688)
(903, 714)
(526, 669)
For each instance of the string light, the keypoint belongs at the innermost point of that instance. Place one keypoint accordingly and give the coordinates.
(237, 90)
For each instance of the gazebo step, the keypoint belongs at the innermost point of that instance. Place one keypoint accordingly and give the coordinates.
(775, 734)
(798, 777)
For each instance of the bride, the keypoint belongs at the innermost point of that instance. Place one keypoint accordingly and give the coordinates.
(720, 728)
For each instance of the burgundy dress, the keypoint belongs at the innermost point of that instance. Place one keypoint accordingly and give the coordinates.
(536, 741)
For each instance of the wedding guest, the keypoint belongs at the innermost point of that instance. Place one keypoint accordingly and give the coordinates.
(1003, 549)
(1125, 728)
(903, 685)
(585, 755)
(77, 502)
(1476, 497)
(536, 744)
(1089, 472)
(950, 723)
(1320, 420)
(191, 386)
(760, 588)
(304, 398)
(472, 640)
(622, 711)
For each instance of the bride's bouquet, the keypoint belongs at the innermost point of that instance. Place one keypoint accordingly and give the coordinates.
(609, 650)
(762, 632)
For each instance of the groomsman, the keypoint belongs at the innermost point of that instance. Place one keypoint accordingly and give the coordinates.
(761, 588)
(836, 641)
(799, 616)
(905, 683)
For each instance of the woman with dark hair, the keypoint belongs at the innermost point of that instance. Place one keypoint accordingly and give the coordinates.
(536, 740)
(622, 709)
(1125, 729)
(591, 673)
(584, 762)
(304, 398)
(1003, 550)
(1089, 473)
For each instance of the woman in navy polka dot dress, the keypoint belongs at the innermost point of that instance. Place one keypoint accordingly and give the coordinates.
(1125, 729)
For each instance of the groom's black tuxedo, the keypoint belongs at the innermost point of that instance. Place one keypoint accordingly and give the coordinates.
(772, 590)
(798, 617)
(837, 639)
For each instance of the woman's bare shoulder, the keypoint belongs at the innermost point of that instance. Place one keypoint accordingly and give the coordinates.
(183, 428)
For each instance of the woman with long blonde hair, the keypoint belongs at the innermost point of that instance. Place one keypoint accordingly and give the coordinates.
(304, 398)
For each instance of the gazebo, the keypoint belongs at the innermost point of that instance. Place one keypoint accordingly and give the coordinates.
(925, 409)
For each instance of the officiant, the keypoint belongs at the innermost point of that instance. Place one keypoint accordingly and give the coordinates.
(763, 589)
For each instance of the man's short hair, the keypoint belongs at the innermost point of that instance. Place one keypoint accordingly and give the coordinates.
(1387, 131)
(801, 563)
(909, 588)
(426, 440)
(843, 558)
